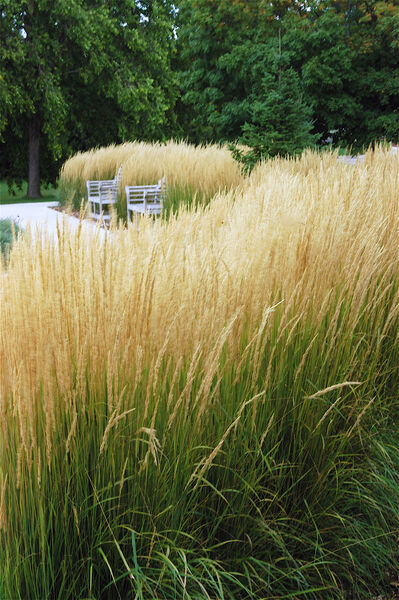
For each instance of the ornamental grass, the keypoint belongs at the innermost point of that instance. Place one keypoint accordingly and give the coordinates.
(193, 173)
(205, 408)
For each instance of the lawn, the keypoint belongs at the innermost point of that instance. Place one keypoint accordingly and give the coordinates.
(19, 195)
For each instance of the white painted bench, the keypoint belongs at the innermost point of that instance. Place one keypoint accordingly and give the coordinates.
(102, 194)
(145, 199)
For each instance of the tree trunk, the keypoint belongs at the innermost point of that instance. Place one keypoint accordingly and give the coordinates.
(34, 158)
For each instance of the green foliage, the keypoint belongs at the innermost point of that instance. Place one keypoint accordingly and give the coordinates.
(280, 121)
(213, 38)
(8, 230)
(348, 61)
(344, 54)
(101, 74)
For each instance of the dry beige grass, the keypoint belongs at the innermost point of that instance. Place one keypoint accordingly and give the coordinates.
(203, 168)
(300, 232)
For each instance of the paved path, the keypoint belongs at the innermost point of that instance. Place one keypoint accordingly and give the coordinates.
(352, 160)
(41, 215)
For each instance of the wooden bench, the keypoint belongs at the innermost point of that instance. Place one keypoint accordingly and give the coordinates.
(145, 199)
(102, 194)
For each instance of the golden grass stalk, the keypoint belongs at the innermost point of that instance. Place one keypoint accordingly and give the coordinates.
(336, 386)
(205, 168)
(86, 317)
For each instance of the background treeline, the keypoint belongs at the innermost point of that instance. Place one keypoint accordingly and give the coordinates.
(341, 57)
(276, 76)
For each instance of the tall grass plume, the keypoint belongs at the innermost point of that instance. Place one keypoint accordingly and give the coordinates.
(204, 408)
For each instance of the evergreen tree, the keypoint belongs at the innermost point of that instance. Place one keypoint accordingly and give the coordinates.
(280, 120)
(219, 42)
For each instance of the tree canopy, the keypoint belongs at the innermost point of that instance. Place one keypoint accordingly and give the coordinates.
(345, 54)
(78, 73)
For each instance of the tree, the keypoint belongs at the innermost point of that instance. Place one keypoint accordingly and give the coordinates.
(75, 73)
(211, 36)
(225, 47)
(280, 121)
(345, 54)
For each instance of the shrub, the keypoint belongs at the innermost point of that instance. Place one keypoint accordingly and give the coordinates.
(8, 230)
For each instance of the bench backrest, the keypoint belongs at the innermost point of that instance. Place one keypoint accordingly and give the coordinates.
(140, 192)
(118, 177)
(105, 188)
(147, 193)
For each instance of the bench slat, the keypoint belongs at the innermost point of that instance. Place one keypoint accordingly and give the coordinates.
(102, 193)
(145, 199)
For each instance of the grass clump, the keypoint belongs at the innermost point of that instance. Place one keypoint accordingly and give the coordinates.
(206, 408)
(9, 229)
(193, 173)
